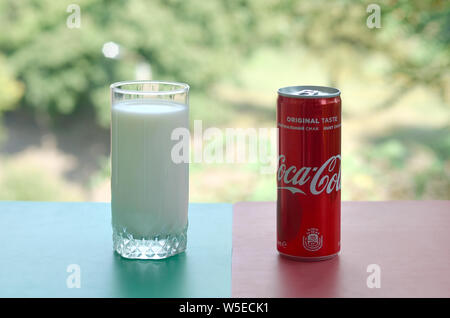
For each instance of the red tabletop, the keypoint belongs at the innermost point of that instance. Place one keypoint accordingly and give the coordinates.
(408, 240)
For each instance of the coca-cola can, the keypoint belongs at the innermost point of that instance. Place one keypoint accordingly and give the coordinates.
(309, 172)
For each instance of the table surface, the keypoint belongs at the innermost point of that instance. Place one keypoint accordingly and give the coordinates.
(408, 240)
(231, 252)
(41, 240)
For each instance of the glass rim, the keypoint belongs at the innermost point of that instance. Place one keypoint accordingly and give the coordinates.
(179, 88)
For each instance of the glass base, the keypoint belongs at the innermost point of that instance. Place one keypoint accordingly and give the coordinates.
(157, 247)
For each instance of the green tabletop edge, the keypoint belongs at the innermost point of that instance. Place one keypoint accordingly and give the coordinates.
(45, 245)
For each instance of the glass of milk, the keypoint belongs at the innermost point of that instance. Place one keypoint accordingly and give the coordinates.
(149, 189)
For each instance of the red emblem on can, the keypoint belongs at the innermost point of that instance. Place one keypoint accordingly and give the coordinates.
(309, 172)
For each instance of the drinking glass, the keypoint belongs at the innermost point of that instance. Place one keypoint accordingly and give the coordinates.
(149, 189)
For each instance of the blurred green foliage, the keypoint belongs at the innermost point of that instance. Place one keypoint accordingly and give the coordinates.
(199, 41)
(234, 54)
(64, 68)
(10, 89)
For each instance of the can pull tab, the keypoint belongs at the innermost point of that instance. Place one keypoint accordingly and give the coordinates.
(308, 92)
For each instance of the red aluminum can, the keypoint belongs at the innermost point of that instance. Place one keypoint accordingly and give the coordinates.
(309, 172)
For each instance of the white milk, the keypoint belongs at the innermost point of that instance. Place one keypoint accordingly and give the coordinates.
(149, 191)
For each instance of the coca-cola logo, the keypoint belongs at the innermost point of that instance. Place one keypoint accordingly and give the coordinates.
(323, 178)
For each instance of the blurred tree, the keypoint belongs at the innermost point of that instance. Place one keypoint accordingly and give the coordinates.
(64, 69)
(10, 90)
(53, 69)
(414, 39)
(199, 41)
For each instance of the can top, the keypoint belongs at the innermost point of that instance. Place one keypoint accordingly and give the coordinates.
(309, 92)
